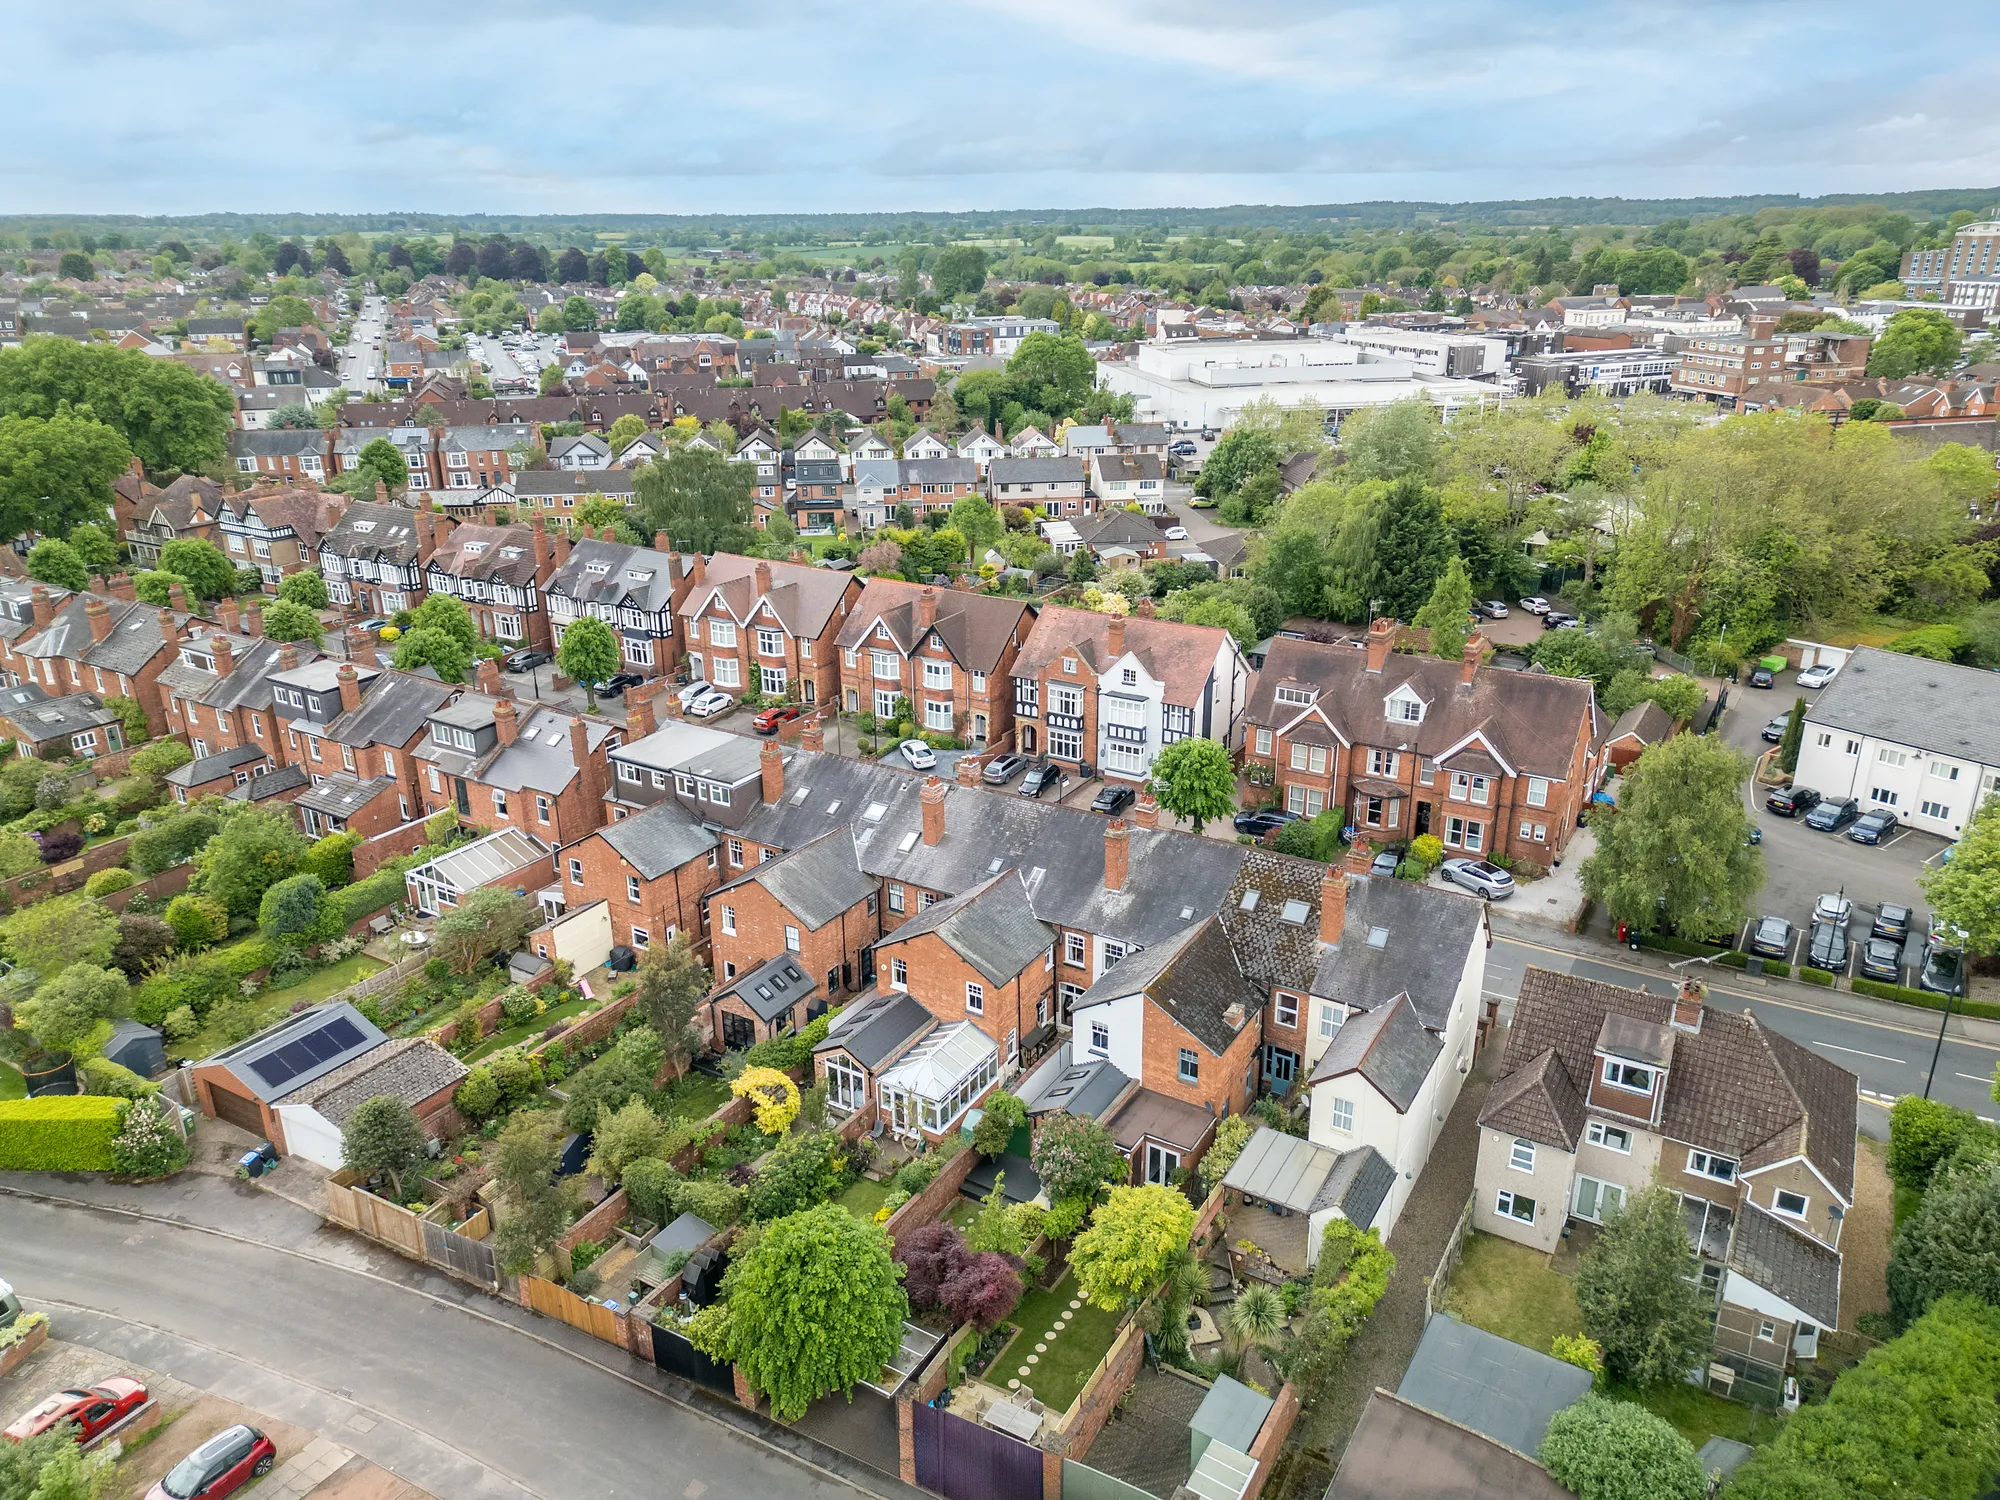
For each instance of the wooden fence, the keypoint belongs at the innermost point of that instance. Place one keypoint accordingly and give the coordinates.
(553, 1301)
(376, 1218)
(1448, 1262)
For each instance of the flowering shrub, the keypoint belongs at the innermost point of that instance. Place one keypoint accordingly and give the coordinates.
(773, 1095)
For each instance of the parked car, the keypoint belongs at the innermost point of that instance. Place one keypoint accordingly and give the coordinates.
(692, 691)
(1042, 778)
(1113, 799)
(220, 1466)
(1775, 730)
(372, 624)
(614, 686)
(1832, 906)
(1873, 826)
(1479, 877)
(91, 1410)
(1891, 921)
(1202, 502)
(1942, 969)
(1386, 862)
(1535, 604)
(918, 755)
(1831, 816)
(1004, 768)
(1828, 948)
(1881, 959)
(709, 704)
(526, 659)
(1185, 448)
(1771, 938)
(1264, 820)
(1555, 619)
(768, 721)
(1763, 677)
(1175, 533)
(1493, 609)
(1790, 801)
(1817, 677)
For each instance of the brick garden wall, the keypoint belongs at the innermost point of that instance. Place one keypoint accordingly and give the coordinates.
(1094, 1404)
(378, 851)
(598, 1223)
(161, 887)
(1271, 1438)
(935, 1198)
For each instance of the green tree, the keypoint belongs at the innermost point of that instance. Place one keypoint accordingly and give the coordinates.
(1651, 1321)
(209, 573)
(256, 849)
(1965, 892)
(957, 271)
(1923, 1135)
(1075, 1156)
(306, 590)
(74, 265)
(1617, 1450)
(49, 935)
(625, 429)
(673, 985)
(535, 1205)
(1054, 373)
(1241, 453)
(1412, 549)
(155, 587)
(146, 1146)
(1124, 1253)
(66, 1010)
(1917, 341)
(578, 315)
(974, 519)
(58, 563)
(1082, 566)
(489, 921)
(1194, 778)
(380, 459)
(290, 909)
(815, 1304)
(1448, 612)
(700, 499)
(287, 621)
(1795, 733)
(588, 654)
(382, 1139)
(172, 418)
(434, 649)
(1950, 1244)
(56, 471)
(1674, 852)
(99, 552)
(198, 922)
(1001, 1116)
(1231, 1136)
(623, 1136)
(1400, 441)
(444, 613)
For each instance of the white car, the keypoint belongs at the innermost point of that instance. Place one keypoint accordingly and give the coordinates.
(1175, 533)
(919, 755)
(1817, 677)
(1536, 605)
(709, 704)
(694, 690)
(1493, 609)
(1479, 877)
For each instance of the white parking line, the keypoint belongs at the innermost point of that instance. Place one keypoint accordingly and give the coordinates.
(1895, 838)
(1902, 1062)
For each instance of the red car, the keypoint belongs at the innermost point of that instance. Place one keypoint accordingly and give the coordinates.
(768, 721)
(91, 1410)
(226, 1462)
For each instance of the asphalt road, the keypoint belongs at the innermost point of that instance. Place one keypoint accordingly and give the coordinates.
(359, 356)
(467, 1403)
(1889, 1055)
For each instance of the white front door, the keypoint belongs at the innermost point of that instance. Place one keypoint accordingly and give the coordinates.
(1161, 1164)
(1595, 1199)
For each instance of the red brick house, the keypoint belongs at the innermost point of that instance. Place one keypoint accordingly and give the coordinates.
(951, 653)
(498, 573)
(749, 625)
(534, 768)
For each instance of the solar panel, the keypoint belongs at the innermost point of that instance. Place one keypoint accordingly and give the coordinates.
(303, 1054)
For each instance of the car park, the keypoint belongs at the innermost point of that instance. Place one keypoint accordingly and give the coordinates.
(917, 755)
(90, 1410)
(709, 704)
(1873, 826)
(1479, 877)
(1039, 779)
(1113, 799)
(1535, 604)
(1942, 968)
(1774, 731)
(1555, 619)
(1493, 609)
(1790, 801)
(1817, 677)
(1763, 677)
(1175, 533)
(1003, 768)
(1263, 820)
(1891, 921)
(768, 721)
(1827, 947)
(1880, 959)
(526, 659)
(1771, 938)
(220, 1466)
(1831, 816)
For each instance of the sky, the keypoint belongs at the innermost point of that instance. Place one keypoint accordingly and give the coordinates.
(740, 106)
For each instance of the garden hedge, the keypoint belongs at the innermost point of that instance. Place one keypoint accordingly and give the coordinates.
(1819, 977)
(366, 897)
(1925, 999)
(59, 1134)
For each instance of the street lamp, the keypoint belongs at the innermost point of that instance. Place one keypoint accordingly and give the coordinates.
(1938, 1050)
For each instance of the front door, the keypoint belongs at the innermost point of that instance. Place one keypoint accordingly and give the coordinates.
(464, 800)
(1423, 818)
(1161, 1164)
(1280, 1066)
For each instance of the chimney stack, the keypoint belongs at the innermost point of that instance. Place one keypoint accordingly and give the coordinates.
(639, 721)
(1115, 638)
(505, 722)
(1144, 609)
(361, 646)
(253, 620)
(579, 754)
(1359, 862)
(1469, 659)
(968, 770)
(609, 534)
(771, 767)
(168, 631)
(813, 736)
(926, 610)
(177, 597)
(539, 528)
(350, 687)
(225, 659)
(288, 657)
(1332, 904)
(440, 529)
(1146, 812)
(381, 493)
(662, 542)
(98, 612)
(561, 549)
(1688, 1004)
(763, 577)
(932, 797)
(1381, 641)
(1117, 855)
(122, 588)
(226, 612)
(44, 607)
(486, 677)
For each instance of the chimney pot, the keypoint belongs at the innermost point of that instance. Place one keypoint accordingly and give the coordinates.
(1117, 854)
(662, 542)
(505, 722)
(1381, 641)
(288, 657)
(932, 798)
(763, 577)
(968, 770)
(771, 768)
(225, 657)
(122, 587)
(350, 687)
(1146, 811)
(1688, 1004)
(177, 597)
(227, 613)
(1359, 862)
(813, 736)
(44, 606)
(1144, 609)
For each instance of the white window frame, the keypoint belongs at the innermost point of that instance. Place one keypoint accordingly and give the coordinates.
(1521, 1156)
(1616, 1074)
(1599, 1134)
(1778, 1198)
(1188, 1069)
(1703, 1163)
(975, 997)
(1505, 1202)
(1342, 1116)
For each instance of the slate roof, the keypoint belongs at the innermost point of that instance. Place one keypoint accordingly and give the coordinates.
(804, 598)
(1789, 1262)
(381, 533)
(246, 685)
(659, 840)
(1531, 719)
(1492, 1385)
(992, 927)
(1389, 1047)
(613, 484)
(207, 768)
(976, 629)
(1089, 1088)
(409, 1068)
(1127, 467)
(135, 637)
(612, 574)
(772, 988)
(1734, 1086)
(1400, 1451)
(541, 757)
(1193, 977)
(47, 718)
(876, 1026)
(271, 784)
(1912, 700)
(1064, 471)
(342, 796)
(1180, 656)
(394, 709)
(1118, 528)
(1429, 933)
(815, 882)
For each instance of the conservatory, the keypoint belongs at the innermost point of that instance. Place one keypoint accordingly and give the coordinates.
(939, 1079)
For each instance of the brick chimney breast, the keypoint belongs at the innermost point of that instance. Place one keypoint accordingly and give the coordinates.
(177, 597)
(771, 768)
(1116, 637)
(122, 587)
(763, 576)
(1688, 1005)
(579, 750)
(813, 736)
(1332, 904)
(44, 606)
(98, 612)
(1359, 862)
(486, 676)
(350, 687)
(253, 620)
(288, 657)
(1469, 659)
(1381, 641)
(662, 542)
(227, 613)
(927, 603)
(168, 632)
(932, 797)
(506, 723)
(225, 656)
(1117, 854)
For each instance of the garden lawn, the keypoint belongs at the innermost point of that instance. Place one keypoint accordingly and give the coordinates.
(962, 1212)
(1073, 1351)
(693, 1096)
(272, 1004)
(507, 1036)
(12, 1084)
(863, 1198)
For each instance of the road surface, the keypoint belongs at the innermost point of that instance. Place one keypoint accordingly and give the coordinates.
(359, 356)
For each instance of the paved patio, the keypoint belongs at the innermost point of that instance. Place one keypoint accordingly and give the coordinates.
(1146, 1444)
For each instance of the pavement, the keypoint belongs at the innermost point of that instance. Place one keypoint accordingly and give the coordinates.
(224, 1287)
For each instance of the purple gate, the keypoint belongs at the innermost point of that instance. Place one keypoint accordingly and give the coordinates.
(963, 1461)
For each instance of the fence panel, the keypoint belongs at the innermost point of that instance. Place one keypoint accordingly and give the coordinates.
(1448, 1262)
(376, 1218)
(593, 1318)
(462, 1256)
(962, 1460)
(674, 1354)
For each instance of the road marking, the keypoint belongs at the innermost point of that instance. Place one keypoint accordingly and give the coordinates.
(1975, 1078)
(1895, 838)
(1901, 1062)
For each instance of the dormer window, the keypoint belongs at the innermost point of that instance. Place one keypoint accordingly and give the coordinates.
(1298, 697)
(1404, 707)
(1629, 1076)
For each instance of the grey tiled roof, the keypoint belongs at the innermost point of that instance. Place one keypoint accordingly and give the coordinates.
(992, 927)
(875, 1026)
(659, 840)
(1357, 1185)
(815, 882)
(1789, 1262)
(394, 708)
(613, 574)
(1912, 700)
(1193, 977)
(384, 533)
(1429, 933)
(342, 796)
(207, 768)
(1035, 471)
(772, 988)
(51, 718)
(1389, 1047)
(257, 788)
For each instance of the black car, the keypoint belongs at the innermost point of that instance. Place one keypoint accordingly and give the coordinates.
(1042, 778)
(526, 659)
(1790, 801)
(1555, 619)
(1892, 922)
(1873, 826)
(1942, 969)
(614, 686)
(1263, 821)
(1831, 816)
(1775, 730)
(1113, 799)
(1882, 959)
(1185, 448)
(1772, 938)
(1828, 948)
(1386, 862)
(1003, 768)
(1763, 677)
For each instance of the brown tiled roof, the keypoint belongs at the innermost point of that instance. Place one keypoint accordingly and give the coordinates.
(1538, 1102)
(309, 513)
(975, 628)
(1181, 656)
(803, 596)
(506, 553)
(1647, 722)
(1530, 719)
(1733, 1086)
